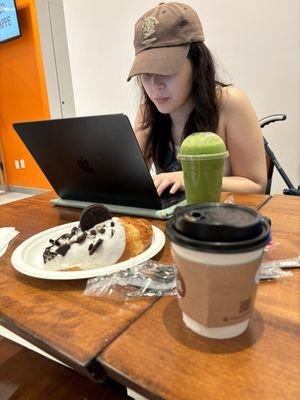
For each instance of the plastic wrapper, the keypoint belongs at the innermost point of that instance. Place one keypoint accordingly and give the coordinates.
(276, 269)
(284, 263)
(270, 272)
(143, 280)
(271, 247)
(155, 279)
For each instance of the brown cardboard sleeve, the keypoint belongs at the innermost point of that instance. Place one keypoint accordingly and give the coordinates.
(217, 296)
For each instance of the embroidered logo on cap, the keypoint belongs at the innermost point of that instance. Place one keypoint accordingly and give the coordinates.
(148, 29)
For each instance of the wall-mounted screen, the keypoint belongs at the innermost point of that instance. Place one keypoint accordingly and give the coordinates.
(9, 24)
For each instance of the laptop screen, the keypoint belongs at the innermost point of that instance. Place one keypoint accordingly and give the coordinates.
(95, 158)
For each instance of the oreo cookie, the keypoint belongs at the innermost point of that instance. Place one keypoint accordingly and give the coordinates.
(93, 215)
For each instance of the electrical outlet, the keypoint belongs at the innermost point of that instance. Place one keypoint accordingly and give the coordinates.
(22, 163)
(17, 164)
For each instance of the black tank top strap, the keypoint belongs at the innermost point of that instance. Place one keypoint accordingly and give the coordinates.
(171, 163)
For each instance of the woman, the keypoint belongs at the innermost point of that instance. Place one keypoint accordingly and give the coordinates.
(181, 95)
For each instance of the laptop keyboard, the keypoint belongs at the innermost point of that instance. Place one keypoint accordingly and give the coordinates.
(168, 199)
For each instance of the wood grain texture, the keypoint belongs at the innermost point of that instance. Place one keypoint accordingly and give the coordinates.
(162, 359)
(26, 375)
(284, 212)
(243, 199)
(54, 315)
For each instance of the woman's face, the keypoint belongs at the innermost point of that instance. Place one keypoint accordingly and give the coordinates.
(170, 93)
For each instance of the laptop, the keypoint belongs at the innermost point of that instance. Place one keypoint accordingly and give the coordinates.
(96, 159)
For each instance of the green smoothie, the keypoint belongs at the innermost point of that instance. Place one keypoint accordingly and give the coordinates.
(202, 158)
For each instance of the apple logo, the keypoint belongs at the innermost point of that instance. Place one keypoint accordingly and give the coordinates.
(85, 166)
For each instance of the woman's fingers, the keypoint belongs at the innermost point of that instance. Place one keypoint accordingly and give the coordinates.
(174, 180)
(157, 180)
(161, 181)
(163, 185)
(175, 187)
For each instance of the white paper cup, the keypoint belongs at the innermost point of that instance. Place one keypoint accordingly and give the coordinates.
(218, 291)
(217, 249)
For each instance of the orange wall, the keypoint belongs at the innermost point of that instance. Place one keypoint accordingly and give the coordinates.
(23, 96)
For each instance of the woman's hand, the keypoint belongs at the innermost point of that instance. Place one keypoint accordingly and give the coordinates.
(174, 180)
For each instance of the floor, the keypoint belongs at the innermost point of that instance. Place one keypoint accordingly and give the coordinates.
(15, 338)
(7, 197)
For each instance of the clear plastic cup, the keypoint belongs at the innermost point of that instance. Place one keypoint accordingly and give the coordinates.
(202, 158)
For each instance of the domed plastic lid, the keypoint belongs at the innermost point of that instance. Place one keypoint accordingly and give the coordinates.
(203, 145)
(218, 227)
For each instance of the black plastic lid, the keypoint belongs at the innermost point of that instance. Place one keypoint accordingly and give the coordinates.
(218, 227)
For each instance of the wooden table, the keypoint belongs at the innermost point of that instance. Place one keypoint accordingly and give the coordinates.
(143, 344)
(55, 315)
(159, 357)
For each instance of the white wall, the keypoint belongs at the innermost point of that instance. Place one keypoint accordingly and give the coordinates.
(52, 31)
(257, 43)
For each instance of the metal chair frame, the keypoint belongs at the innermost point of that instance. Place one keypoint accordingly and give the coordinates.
(272, 160)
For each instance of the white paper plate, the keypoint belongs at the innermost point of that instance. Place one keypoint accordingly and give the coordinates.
(28, 256)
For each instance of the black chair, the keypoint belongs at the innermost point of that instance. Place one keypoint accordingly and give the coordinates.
(272, 160)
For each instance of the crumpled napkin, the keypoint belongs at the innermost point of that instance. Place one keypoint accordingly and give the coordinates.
(6, 235)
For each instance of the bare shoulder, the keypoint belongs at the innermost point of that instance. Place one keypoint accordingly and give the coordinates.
(232, 99)
(244, 138)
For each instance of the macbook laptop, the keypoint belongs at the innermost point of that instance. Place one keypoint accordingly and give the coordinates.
(96, 159)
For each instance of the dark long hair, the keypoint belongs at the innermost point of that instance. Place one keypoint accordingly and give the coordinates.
(204, 116)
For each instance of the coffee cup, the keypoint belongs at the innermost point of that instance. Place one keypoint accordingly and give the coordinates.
(202, 158)
(217, 249)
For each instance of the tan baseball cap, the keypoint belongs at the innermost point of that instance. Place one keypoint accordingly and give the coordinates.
(162, 39)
